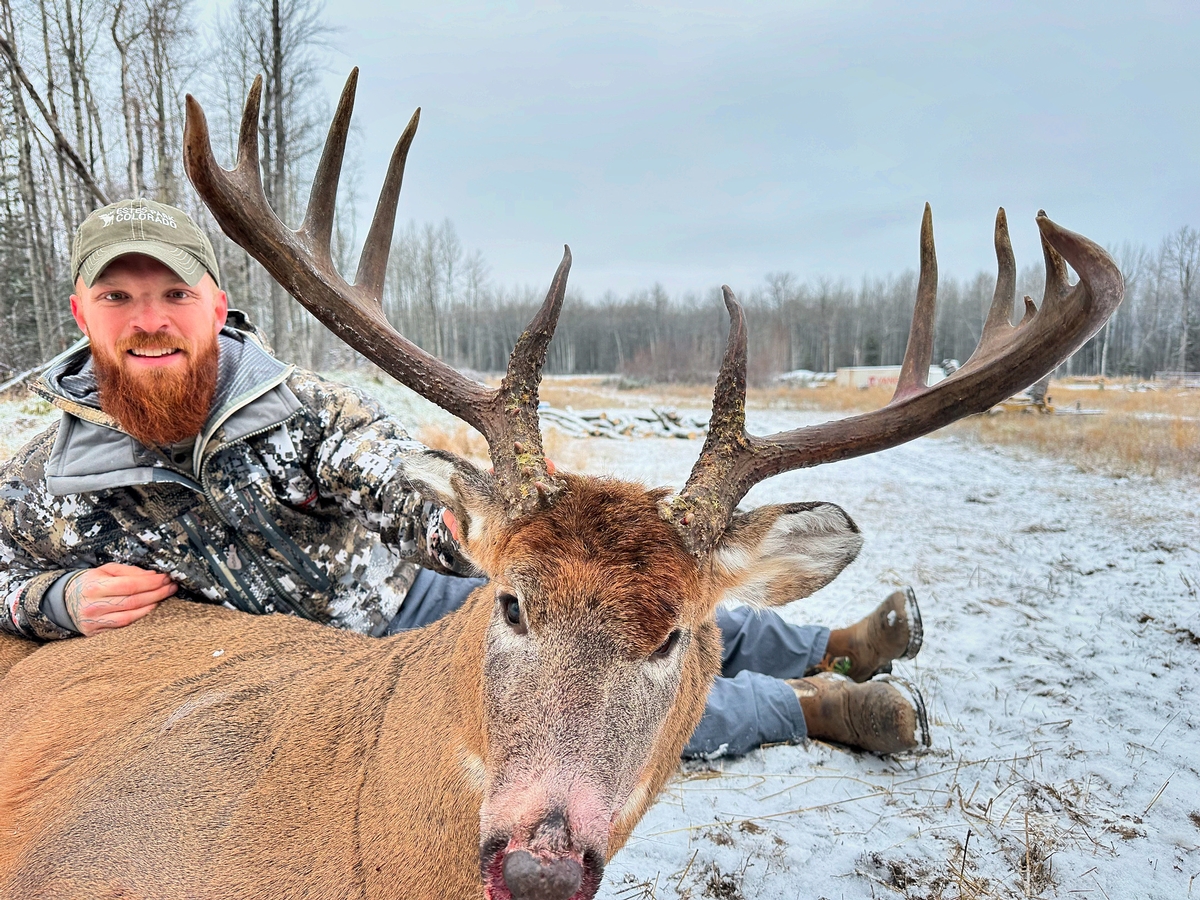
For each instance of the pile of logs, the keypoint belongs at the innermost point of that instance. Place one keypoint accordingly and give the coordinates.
(658, 422)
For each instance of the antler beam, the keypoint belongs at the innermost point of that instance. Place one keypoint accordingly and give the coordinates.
(1007, 359)
(301, 261)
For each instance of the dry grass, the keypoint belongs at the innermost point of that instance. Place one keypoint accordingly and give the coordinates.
(608, 392)
(830, 397)
(1140, 432)
(461, 440)
(568, 454)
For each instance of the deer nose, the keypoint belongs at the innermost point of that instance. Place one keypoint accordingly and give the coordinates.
(531, 879)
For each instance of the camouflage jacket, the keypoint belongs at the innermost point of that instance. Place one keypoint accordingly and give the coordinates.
(293, 499)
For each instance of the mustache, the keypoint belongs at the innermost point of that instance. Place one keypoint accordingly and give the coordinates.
(144, 340)
(160, 406)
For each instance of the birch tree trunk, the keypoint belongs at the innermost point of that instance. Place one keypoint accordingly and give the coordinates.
(133, 137)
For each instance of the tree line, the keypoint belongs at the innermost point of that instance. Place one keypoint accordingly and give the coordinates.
(93, 111)
(441, 298)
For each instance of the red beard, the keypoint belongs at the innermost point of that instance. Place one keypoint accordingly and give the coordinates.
(158, 406)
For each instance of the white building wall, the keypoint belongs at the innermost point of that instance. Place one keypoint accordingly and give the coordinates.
(879, 376)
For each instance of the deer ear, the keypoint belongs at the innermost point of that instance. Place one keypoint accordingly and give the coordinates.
(776, 554)
(464, 489)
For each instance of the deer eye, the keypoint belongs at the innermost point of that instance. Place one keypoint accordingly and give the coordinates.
(511, 608)
(665, 648)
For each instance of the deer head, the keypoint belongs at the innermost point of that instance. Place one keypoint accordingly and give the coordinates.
(600, 645)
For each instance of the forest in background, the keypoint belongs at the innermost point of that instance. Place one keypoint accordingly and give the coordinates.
(92, 112)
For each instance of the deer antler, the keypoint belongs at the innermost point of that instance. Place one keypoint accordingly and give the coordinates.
(301, 261)
(1008, 359)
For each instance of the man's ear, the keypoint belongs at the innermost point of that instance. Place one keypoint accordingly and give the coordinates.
(77, 313)
(222, 309)
(776, 554)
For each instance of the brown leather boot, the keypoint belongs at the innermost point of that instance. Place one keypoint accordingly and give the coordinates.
(882, 716)
(867, 648)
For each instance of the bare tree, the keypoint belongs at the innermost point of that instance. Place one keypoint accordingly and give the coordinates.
(166, 59)
(1182, 253)
(125, 31)
(69, 69)
(284, 38)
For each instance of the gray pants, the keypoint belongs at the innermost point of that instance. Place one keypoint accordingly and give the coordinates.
(749, 705)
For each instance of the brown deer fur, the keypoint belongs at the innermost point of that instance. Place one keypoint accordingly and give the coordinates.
(206, 753)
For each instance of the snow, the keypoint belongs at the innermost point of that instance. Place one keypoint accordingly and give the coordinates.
(20, 419)
(1062, 640)
(1062, 643)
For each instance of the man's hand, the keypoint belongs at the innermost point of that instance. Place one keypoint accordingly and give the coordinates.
(114, 595)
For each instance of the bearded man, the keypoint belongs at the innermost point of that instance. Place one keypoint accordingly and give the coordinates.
(189, 461)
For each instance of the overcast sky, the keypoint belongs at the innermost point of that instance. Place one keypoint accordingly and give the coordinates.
(694, 144)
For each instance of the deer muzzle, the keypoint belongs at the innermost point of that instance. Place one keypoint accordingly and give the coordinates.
(546, 864)
(532, 878)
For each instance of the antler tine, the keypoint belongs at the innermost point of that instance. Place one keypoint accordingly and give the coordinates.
(244, 179)
(998, 329)
(529, 353)
(240, 187)
(239, 205)
(522, 475)
(728, 422)
(1101, 285)
(247, 152)
(372, 264)
(1057, 285)
(317, 227)
(1008, 359)
(999, 318)
(914, 372)
(300, 261)
(726, 441)
(1030, 312)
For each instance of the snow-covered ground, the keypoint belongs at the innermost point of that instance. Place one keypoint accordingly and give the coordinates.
(1060, 665)
(1062, 647)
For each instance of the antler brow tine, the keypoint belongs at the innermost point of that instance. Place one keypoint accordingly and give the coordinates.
(918, 354)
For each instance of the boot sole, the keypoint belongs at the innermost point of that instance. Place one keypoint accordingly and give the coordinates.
(916, 631)
(924, 738)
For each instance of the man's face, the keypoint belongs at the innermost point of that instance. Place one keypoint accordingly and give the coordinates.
(135, 296)
(153, 345)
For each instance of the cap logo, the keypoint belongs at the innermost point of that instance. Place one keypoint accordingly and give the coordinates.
(137, 214)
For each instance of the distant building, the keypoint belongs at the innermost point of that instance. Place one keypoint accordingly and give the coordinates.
(805, 378)
(879, 376)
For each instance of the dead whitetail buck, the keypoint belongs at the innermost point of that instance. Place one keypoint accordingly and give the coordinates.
(510, 748)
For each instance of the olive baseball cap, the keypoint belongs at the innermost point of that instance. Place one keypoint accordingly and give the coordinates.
(142, 226)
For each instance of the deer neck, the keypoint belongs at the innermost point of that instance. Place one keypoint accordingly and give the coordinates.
(419, 813)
